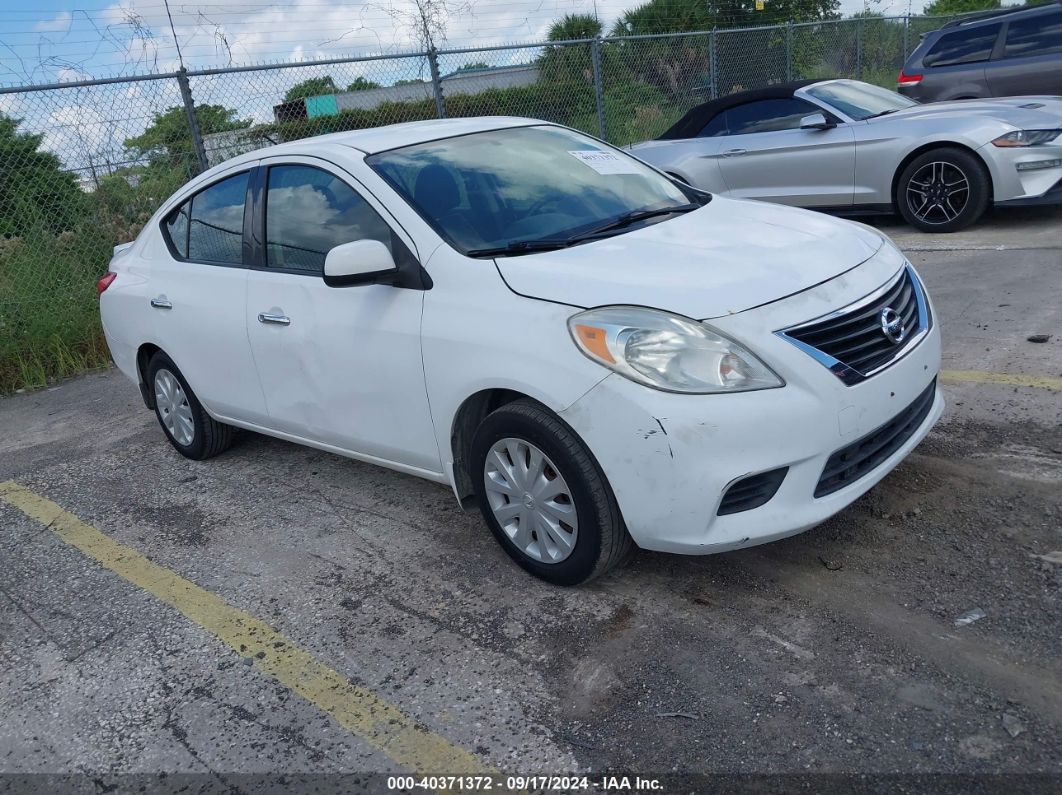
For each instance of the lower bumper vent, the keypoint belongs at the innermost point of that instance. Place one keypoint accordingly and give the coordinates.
(751, 492)
(851, 463)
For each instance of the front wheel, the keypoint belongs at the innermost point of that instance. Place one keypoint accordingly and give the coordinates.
(544, 497)
(943, 190)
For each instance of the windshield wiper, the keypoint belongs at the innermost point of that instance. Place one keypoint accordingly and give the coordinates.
(554, 243)
(630, 218)
(881, 113)
(520, 247)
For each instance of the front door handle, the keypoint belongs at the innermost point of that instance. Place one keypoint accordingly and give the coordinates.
(279, 320)
(161, 303)
(734, 152)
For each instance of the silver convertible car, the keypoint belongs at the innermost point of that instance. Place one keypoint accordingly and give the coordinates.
(849, 147)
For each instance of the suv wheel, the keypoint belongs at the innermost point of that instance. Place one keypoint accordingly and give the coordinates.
(943, 190)
(544, 496)
(192, 432)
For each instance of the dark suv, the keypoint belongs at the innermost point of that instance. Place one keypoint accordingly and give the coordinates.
(1012, 51)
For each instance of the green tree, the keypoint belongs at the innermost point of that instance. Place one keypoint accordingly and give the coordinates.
(575, 26)
(415, 81)
(947, 8)
(35, 193)
(313, 87)
(470, 67)
(570, 63)
(361, 84)
(168, 140)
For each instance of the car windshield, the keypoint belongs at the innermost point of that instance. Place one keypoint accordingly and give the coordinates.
(526, 188)
(859, 101)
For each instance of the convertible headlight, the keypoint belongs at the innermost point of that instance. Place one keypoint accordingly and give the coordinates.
(1026, 138)
(668, 352)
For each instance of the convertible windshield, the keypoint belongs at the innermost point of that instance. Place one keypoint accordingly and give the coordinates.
(524, 189)
(859, 101)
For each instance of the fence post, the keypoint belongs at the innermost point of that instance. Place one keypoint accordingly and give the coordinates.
(599, 89)
(436, 83)
(193, 122)
(713, 60)
(789, 50)
(859, 49)
(906, 39)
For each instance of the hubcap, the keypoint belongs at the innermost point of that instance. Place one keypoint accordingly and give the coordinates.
(173, 408)
(938, 192)
(531, 500)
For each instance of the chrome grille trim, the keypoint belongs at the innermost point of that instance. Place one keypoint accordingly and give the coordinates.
(851, 373)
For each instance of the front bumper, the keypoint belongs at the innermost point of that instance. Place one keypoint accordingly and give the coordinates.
(1014, 188)
(670, 458)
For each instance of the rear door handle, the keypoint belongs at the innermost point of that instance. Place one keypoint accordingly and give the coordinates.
(279, 320)
(734, 152)
(161, 303)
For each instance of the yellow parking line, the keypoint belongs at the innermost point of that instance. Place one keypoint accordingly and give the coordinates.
(1010, 379)
(366, 715)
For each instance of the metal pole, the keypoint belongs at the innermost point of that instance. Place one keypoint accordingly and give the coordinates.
(859, 49)
(906, 38)
(713, 58)
(789, 50)
(436, 83)
(193, 122)
(599, 89)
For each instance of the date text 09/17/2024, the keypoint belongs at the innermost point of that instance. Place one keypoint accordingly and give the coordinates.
(523, 783)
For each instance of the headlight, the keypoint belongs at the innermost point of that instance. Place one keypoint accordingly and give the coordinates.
(1026, 138)
(668, 352)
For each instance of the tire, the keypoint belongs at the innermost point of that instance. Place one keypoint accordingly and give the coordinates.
(208, 437)
(931, 187)
(599, 540)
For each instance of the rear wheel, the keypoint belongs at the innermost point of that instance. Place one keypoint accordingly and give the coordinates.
(192, 432)
(544, 496)
(943, 190)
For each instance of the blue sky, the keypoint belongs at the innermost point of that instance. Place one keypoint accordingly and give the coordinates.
(47, 40)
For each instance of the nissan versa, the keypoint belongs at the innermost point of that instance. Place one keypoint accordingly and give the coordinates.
(600, 356)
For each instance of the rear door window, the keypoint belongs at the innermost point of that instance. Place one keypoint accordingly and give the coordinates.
(716, 126)
(963, 46)
(1039, 35)
(215, 228)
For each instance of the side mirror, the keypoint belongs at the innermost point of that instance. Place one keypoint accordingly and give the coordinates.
(816, 121)
(360, 262)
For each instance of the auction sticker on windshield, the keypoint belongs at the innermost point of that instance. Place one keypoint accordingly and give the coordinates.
(605, 162)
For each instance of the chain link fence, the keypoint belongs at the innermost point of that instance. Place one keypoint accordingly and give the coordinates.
(84, 165)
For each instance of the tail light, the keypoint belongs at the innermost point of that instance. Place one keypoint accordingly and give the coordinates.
(105, 282)
(904, 79)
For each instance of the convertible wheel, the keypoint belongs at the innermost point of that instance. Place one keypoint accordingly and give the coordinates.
(544, 497)
(192, 432)
(943, 190)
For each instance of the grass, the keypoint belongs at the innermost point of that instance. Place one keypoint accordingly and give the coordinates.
(49, 317)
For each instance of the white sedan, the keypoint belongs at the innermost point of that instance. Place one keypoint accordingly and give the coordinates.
(599, 356)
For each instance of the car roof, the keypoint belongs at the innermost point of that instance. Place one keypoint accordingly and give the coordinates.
(696, 118)
(392, 136)
(987, 17)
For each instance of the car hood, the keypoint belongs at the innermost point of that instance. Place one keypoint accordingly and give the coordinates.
(726, 257)
(1028, 113)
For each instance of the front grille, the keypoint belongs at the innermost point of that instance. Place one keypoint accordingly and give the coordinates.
(853, 342)
(851, 463)
(751, 492)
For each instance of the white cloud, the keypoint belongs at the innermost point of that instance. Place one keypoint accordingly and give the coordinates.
(56, 24)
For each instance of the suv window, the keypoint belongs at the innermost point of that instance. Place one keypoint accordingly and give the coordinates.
(963, 46)
(309, 212)
(767, 115)
(1038, 35)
